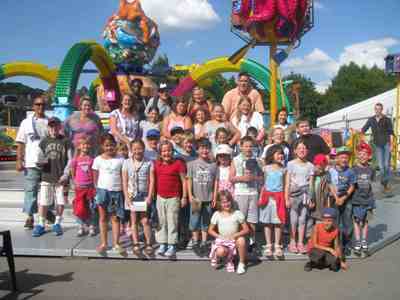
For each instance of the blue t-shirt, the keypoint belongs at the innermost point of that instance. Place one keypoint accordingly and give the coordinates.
(273, 181)
(341, 179)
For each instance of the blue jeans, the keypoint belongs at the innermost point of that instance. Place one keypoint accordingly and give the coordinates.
(383, 157)
(31, 189)
(201, 220)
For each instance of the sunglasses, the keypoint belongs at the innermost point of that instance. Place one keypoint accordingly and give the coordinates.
(39, 104)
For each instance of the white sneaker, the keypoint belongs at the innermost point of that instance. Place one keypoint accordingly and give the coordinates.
(241, 268)
(92, 231)
(81, 232)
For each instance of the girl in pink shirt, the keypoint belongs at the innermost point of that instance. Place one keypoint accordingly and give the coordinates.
(82, 175)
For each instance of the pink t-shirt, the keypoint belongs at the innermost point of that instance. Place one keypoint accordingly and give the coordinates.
(82, 167)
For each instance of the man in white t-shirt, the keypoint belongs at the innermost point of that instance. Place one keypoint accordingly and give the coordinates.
(230, 102)
(31, 131)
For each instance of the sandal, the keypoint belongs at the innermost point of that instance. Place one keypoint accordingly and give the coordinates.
(149, 250)
(230, 267)
(214, 263)
(268, 250)
(101, 249)
(119, 249)
(278, 250)
(136, 250)
(301, 248)
(293, 247)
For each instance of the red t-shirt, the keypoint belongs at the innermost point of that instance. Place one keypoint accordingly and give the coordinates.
(168, 182)
(325, 238)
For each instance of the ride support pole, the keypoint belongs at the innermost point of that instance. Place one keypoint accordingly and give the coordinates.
(273, 108)
(397, 128)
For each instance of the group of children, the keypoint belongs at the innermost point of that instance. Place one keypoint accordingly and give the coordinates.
(201, 188)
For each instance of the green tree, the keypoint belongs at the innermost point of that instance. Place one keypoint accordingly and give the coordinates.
(353, 84)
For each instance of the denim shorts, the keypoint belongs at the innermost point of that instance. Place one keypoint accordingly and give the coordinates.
(112, 201)
(201, 220)
(360, 213)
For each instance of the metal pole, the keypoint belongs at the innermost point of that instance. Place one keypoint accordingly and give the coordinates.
(397, 126)
(272, 86)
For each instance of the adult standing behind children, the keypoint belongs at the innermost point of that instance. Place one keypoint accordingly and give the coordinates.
(177, 118)
(124, 121)
(32, 130)
(382, 132)
(315, 144)
(162, 101)
(244, 88)
(84, 123)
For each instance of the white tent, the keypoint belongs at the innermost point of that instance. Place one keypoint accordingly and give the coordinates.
(356, 115)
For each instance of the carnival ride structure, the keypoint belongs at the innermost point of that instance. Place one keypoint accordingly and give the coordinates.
(130, 42)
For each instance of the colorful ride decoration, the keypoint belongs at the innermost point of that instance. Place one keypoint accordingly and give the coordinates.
(27, 68)
(130, 37)
(273, 23)
(71, 69)
(200, 73)
(268, 20)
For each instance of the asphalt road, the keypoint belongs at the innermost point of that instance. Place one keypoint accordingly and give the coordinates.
(44, 278)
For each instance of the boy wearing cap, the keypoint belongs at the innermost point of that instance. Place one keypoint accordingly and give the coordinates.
(324, 247)
(201, 190)
(162, 101)
(319, 187)
(341, 181)
(56, 151)
(363, 198)
(152, 141)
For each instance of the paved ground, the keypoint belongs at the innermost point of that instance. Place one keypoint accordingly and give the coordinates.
(374, 278)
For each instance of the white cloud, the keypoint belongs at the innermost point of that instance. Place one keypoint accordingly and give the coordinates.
(319, 64)
(188, 43)
(315, 62)
(181, 14)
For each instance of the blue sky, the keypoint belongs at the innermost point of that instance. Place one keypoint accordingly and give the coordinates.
(193, 31)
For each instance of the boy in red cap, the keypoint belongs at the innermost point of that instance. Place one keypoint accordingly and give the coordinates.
(363, 198)
(319, 187)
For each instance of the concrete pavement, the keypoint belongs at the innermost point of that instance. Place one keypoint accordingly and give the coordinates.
(373, 278)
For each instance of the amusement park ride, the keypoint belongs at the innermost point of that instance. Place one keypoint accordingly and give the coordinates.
(131, 40)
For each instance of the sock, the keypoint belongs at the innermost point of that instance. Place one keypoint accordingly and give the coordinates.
(58, 219)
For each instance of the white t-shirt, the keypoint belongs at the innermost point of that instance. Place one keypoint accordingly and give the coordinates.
(255, 121)
(109, 173)
(228, 225)
(26, 135)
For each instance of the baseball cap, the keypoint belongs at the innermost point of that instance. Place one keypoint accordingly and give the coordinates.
(329, 212)
(163, 87)
(223, 149)
(343, 150)
(177, 130)
(364, 147)
(153, 133)
(320, 160)
(54, 121)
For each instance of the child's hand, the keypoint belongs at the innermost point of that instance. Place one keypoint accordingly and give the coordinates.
(311, 205)
(148, 200)
(183, 202)
(340, 201)
(63, 180)
(213, 203)
(288, 204)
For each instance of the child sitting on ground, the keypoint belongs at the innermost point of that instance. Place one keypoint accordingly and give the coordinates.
(363, 198)
(55, 153)
(324, 248)
(229, 228)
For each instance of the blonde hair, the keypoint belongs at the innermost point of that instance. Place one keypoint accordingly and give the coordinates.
(238, 114)
(82, 140)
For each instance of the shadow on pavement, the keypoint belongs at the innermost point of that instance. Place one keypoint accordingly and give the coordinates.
(376, 233)
(28, 283)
